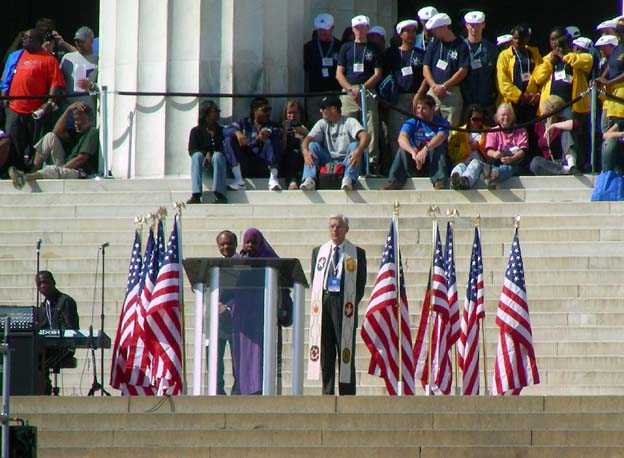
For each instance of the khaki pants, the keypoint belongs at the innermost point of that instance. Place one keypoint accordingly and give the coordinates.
(54, 172)
(450, 106)
(351, 107)
(50, 146)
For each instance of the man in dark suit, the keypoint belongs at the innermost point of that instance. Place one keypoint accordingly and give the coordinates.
(338, 282)
(57, 311)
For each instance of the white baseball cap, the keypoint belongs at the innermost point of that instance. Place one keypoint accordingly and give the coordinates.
(474, 17)
(378, 30)
(427, 13)
(438, 20)
(407, 23)
(360, 20)
(583, 42)
(607, 40)
(323, 21)
(503, 39)
(573, 31)
(609, 24)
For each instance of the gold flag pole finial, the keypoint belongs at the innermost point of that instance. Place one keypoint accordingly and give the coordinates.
(478, 220)
(396, 207)
(152, 219)
(433, 211)
(161, 213)
(178, 206)
(451, 214)
(517, 222)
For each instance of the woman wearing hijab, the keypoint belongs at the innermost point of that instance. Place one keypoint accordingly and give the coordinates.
(248, 319)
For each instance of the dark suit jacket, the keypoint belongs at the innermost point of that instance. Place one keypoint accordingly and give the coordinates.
(65, 308)
(360, 282)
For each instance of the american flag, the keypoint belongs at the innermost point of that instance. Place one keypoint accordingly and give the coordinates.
(474, 311)
(442, 371)
(125, 327)
(139, 360)
(515, 366)
(379, 328)
(164, 320)
(451, 289)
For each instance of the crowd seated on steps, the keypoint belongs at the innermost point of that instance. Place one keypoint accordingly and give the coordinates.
(449, 60)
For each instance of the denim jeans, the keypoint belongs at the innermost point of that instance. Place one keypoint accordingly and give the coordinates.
(437, 161)
(472, 171)
(218, 165)
(322, 157)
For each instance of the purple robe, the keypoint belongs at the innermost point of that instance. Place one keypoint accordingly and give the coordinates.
(248, 322)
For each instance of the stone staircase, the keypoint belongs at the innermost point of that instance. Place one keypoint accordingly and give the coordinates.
(311, 426)
(573, 253)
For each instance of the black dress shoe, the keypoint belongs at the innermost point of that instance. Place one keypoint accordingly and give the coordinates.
(195, 199)
(219, 198)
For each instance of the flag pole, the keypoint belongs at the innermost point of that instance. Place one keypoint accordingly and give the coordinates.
(397, 284)
(178, 206)
(433, 210)
(451, 215)
(483, 341)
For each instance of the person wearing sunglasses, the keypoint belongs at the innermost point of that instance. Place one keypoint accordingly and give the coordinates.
(255, 143)
(467, 150)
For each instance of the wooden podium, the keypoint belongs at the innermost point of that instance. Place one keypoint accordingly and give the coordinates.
(207, 275)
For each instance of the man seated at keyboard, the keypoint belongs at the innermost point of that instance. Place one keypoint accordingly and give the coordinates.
(57, 311)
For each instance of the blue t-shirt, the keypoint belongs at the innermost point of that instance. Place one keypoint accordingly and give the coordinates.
(616, 61)
(420, 133)
(453, 53)
(395, 60)
(479, 86)
(359, 53)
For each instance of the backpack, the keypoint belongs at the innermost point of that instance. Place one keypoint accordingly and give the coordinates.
(609, 185)
(330, 175)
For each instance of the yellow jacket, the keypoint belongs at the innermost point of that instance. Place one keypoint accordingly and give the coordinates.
(581, 64)
(459, 145)
(507, 90)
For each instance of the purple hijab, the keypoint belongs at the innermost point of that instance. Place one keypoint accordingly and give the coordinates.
(263, 249)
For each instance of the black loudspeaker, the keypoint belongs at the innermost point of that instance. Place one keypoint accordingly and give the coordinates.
(22, 441)
(28, 375)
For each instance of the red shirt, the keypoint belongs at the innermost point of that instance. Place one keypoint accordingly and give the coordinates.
(35, 74)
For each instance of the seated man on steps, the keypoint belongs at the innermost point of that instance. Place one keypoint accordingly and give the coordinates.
(422, 146)
(82, 142)
(335, 138)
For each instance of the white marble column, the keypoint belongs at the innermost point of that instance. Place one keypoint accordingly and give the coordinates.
(219, 46)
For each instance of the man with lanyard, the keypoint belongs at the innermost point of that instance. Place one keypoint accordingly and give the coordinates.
(446, 65)
(422, 141)
(424, 38)
(338, 282)
(360, 69)
(320, 57)
(480, 84)
(57, 311)
(405, 63)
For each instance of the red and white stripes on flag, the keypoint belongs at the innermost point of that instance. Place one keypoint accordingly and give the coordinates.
(474, 310)
(163, 320)
(138, 365)
(119, 376)
(515, 365)
(451, 288)
(442, 371)
(379, 327)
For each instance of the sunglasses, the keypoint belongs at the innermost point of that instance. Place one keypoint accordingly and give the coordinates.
(265, 109)
(475, 119)
(292, 112)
